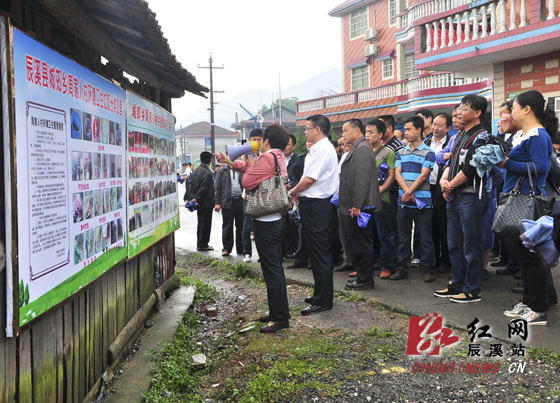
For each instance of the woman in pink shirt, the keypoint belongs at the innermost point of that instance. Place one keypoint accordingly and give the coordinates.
(269, 229)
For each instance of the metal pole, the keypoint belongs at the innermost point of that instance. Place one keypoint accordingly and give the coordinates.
(213, 146)
(280, 99)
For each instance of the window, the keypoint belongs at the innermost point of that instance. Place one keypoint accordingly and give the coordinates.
(360, 78)
(358, 22)
(392, 12)
(409, 66)
(387, 68)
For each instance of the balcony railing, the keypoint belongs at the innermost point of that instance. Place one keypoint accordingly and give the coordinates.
(424, 82)
(491, 18)
(426, 8)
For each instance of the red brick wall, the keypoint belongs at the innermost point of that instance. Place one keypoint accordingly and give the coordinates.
(513, 76)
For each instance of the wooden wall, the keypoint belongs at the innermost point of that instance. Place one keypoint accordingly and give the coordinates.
(61, 358)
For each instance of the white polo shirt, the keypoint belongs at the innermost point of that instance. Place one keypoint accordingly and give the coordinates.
(437, 146)
(321, 164)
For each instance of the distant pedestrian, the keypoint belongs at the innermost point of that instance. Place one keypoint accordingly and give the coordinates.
(203, 194)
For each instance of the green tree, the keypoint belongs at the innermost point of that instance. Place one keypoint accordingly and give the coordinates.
(300, 137)
(289, 103)
(26, 295)
(20, 294)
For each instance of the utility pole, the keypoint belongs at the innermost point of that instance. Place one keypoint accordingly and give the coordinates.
(212, 141)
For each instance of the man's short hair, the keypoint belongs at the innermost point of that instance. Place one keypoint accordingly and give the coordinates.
(417, 122)
(334, 143)
(322, 122)
(389, 121)
(256, 133)
(277, 136)
(356, 123)
(455, 107)
(294, 140)
(185, 164)
(426, 113)
(447, 117)
(476, 102)
(379, 125)
(205, 157)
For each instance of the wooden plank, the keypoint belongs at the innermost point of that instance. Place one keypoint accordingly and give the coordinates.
(121, 298)
(25, 370)
(43, 350)
(130, 290)
(146, 276)
(59, 334)
(89, 338)
(80, 349)
(68, 352)
(112, 308)
(105, 320)
(98, 350)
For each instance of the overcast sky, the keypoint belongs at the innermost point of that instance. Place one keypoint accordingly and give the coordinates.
(255, 40)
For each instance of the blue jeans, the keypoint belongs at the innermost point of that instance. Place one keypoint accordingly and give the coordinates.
(423, 221)
(246, 235)
(465, 221)
(387, 256)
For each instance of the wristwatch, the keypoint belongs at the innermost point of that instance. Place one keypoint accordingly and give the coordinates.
(290, 193)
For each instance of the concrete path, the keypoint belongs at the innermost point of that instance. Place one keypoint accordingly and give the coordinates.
(136, 375)
(411, 296)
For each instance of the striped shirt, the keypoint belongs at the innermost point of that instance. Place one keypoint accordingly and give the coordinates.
(411, 163)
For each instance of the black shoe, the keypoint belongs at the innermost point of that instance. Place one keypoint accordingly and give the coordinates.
(499, 263)
(518, 276)
(494, 256)
(308, 300)
(517, 290)
(309, 268)
(289, 255)
(205, 248)
(520, 283)
(506, 272)
(264, 319)
(296, 266)
(345, 267)
(313, 309)
(275, 327)
(359, 286)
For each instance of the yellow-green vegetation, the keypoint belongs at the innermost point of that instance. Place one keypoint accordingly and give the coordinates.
(544, 354)
(204, 291)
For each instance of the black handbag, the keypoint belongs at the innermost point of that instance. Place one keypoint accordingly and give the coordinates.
(514, 207)
(269, 197)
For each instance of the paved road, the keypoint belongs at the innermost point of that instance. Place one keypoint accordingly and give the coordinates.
(412, 295)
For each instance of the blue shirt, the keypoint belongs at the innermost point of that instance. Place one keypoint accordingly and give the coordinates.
(411, 163)
(537, 149)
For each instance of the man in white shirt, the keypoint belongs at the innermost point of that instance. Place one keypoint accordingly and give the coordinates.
(439, 140)
(314, 191)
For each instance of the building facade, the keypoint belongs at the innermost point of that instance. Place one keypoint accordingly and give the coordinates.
(195, 138)
(399, 56)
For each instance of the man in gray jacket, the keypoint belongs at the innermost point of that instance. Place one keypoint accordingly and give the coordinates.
(228, 192)
(359, 192)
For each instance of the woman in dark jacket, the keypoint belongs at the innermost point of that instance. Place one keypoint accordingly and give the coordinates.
(269, 229)
(534, 146)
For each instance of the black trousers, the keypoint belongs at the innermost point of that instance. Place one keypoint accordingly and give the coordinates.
(316, 216)
(268, 240)
(362, 245)
(335, 244)
(534, 279)
(233, 217)
(291, 236)
(344, 234)
(301, 252)
(439, 235)
(204, 215)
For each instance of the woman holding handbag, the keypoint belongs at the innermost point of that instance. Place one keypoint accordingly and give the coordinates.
(528, 164)
(269, 229)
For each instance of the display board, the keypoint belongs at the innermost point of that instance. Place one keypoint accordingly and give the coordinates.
(153, 208)
(71, 213)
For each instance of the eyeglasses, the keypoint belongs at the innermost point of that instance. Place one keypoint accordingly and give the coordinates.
(309, 128)
(461, 110)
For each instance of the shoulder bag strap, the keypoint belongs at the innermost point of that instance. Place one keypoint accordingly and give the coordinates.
(379, 149)
(539, 191)
(278, 172)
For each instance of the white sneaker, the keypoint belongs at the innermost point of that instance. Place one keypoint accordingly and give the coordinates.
(415, 262)
(534, 318)
(517, 311)
(247, 258)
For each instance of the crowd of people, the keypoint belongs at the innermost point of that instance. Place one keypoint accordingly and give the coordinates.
(401, 202)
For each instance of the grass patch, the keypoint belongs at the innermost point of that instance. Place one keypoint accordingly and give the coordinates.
(351, 297)
(173, 371)
(204, 291)
(543, 354)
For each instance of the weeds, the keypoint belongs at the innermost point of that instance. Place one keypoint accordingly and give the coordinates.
(204, 291)
(544, 354)
(351, 297)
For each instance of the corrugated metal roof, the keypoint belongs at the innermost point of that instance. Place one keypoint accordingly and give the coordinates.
(130, 28)
(202, 128)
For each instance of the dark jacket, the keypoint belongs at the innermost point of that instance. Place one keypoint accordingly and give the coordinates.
(297, 169)
(202, 186)
(290, 166)
(358, 179)
(437, 194)
(222, 186)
